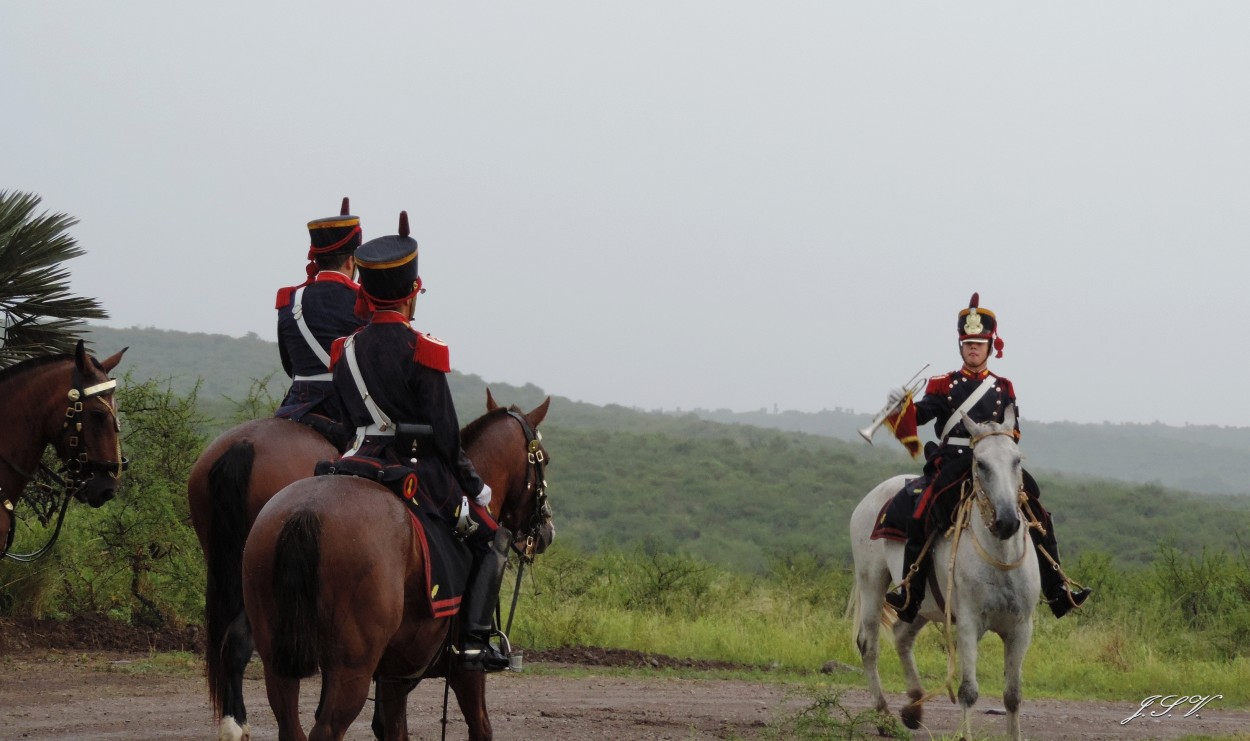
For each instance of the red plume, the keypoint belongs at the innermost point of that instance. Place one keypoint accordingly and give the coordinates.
(975, 301)
(403, 224)
(347, 209)
(998, 345)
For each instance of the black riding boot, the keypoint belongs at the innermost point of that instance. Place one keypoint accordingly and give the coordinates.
(1054, 589)
(906, 600)
(476, 617)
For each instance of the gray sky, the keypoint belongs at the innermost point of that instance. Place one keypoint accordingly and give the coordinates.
(678, 204)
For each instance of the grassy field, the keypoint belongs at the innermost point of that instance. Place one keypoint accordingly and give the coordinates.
(1139, 636)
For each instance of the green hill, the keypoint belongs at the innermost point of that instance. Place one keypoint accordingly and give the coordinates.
(740, 494)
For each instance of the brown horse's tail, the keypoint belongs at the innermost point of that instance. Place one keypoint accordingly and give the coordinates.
(295, 635)
(223, 599)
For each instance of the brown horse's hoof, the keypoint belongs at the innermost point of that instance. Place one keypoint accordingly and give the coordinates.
(911, 715)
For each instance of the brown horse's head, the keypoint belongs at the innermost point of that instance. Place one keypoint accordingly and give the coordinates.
(89, 441)
(508, 453)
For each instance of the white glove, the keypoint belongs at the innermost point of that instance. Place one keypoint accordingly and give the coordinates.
(483, 499)
(895, 396)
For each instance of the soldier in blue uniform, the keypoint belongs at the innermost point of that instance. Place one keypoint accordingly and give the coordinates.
(984, 396)
(314, 314)
(387, 374)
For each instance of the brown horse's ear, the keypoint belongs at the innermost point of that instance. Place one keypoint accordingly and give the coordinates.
(109, 363)
(490, 401)
(539, 413)
(80, 356)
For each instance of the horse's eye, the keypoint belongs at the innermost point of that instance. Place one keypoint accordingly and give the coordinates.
(98, 418)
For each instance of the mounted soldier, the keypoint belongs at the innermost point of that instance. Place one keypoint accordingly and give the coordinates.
(314, 314)
(392, 379)
(985, 397)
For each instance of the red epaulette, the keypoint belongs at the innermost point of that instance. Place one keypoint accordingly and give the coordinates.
(432, 353)
(1008, 389)
(284, 296)
(938, 384)
(336, 351)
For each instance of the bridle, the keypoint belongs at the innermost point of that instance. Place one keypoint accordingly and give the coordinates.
(975, 492)
(78, 466)
(535, 478)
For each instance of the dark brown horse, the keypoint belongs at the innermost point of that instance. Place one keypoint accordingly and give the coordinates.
(65, 401)
(334, 578)
(230, 482)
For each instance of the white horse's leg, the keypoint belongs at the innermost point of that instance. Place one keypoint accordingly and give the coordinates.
(969, 633)
(1015, 644)
(230, 730)
(905, 643)
(871, 588)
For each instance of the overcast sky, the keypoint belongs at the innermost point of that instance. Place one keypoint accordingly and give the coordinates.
(678, 204)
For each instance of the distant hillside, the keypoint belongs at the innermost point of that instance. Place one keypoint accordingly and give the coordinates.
(1208, 459)
(1205, 459)
(738, 494)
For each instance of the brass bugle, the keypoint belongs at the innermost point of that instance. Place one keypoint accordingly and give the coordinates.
(913, 385)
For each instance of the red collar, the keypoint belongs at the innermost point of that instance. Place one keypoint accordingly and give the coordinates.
(966, 374)
(333, 276)
(388, 317)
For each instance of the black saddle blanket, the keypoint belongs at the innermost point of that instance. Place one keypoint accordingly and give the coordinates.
(892, 522)
(447, 558)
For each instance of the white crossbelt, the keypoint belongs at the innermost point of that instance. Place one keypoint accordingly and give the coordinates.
(987, 383)
(297, 311)
(318, 377)
(382, 424)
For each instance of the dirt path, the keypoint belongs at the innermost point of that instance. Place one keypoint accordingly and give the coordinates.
(93, 695)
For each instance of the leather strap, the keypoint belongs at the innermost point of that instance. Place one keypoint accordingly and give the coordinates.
(297, 311)
(987, 383)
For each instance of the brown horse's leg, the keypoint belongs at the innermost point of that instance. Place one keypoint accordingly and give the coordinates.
(284, 699)
(390, 716)
(470, 689)
(343, 694)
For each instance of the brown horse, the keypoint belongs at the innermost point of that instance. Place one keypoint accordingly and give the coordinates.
(66, 401)
(334, 578)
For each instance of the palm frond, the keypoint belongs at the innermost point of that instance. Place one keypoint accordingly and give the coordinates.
(40, 314)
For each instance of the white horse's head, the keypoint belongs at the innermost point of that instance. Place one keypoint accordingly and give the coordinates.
(997, 471)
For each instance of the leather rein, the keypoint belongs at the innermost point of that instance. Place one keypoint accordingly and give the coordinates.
(77, 465)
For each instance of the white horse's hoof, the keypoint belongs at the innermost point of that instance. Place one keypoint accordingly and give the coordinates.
(231, 731)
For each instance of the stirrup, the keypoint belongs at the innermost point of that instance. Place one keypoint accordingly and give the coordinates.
(1068, 600)
(465, 526)
(485, 658)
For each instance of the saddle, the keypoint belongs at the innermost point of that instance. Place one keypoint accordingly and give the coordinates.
(400, 479)
(336, 433)
(447, 558)
(892, 521)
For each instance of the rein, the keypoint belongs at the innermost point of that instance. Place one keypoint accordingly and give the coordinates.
(77, 464)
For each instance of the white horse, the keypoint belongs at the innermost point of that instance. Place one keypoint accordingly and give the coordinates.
(986, 569)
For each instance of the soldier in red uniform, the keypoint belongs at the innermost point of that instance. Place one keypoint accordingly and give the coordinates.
(387, 374)
(984, 396)
(311, 316)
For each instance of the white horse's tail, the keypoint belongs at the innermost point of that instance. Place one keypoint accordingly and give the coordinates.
(853, 610)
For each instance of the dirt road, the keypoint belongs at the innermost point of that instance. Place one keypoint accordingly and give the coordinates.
(71, 695)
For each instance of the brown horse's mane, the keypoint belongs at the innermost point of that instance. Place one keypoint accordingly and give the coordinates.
(31, 364)
(474, 429)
